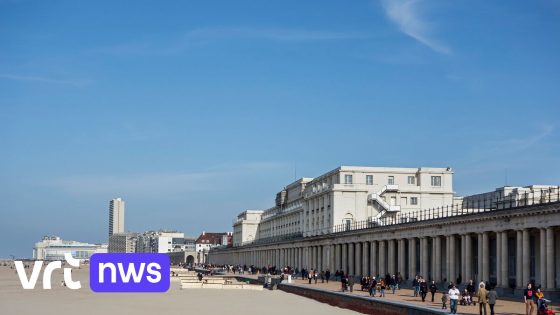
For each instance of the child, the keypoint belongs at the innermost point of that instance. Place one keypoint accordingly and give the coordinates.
(444, 299)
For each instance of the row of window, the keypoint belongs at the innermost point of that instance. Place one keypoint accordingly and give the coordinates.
(436, 180)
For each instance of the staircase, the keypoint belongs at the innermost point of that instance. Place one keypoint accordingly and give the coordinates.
(377, 197)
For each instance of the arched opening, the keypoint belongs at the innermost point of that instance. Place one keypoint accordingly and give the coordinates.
(190, 260)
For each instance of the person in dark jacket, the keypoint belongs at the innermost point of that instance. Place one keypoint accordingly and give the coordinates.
(415, 285)
(423, 289)
(433, 289)
(471, 289)
(327, 275)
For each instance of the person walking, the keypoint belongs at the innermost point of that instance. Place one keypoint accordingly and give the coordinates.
(315, 276)
(482, 297)
(415, 285)
(433, 289)
(327, 275)
(343, 283)
(423, 289)
(382, 287)
(372, 287)
(351, 283)
(310, 276)
(471, 289)
(393, 283)
(444, 299)
(529, 298)
(492, 297)
(453, 299)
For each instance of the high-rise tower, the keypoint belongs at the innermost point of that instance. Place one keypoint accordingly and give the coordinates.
(116, 216)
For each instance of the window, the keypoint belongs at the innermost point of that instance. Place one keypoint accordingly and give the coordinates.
(413, 200)
(348, 179)
(436, 181)
(369, 179)
(391, 180)
(411, 180)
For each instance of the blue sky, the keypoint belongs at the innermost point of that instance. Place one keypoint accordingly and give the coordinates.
(195, 111)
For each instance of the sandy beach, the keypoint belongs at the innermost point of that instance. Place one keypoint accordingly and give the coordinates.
(60, 300)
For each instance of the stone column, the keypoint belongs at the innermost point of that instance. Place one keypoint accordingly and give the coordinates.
(550, 256)
(543, 257)
(437, 258)
(382, 258)
(468, 258)
(480, 260)
(519, 260)
(332, 260)
(351, 271)
(463, 261)
(412, 258)
(358, 259)
(526, 257)
(365, 259)
(425, 260)
(338, 257)
(401, 257)
(505, 258)
(391, 257)
(499, 279)
(345, 258)
(373, 268)
(485, 257)
(452, 260)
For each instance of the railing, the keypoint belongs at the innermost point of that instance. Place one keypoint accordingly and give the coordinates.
(466, 207)
(272, 239)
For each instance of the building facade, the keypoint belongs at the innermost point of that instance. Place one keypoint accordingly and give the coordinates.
(123, 243)
(344, 196)
(207, 241)
(54, 248)
(245, 227)
(116, 216)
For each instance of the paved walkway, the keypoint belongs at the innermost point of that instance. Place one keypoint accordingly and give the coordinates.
(503, 307)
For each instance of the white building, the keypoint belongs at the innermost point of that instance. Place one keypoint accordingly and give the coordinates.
(345, 196)
(164, 242)
(349, 194)
(245, 226)
(54, 248)
(116, 216)
(509, 196)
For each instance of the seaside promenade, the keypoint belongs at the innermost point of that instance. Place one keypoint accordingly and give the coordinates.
(61, 300)
(406, 296)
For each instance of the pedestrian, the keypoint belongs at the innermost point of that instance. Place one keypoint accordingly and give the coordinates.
(482, 297)
(453, 299)
(322, 275)
(372, 287)
(351, 283)
(315, 276)
(492, 297)
(415, 285)
(382, 287)
(433, 289)
(310, 276)
(343, 283)
(471, 289)
(393, 283)
(423, 289)
(327, 275)
(444, 299)
(529, 298)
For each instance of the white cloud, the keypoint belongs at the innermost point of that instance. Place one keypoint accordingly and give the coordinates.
(405, 14)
